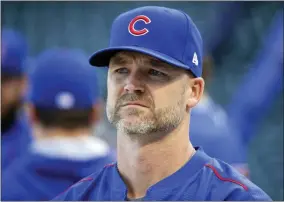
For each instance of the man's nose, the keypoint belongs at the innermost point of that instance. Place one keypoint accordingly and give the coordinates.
(133, 84)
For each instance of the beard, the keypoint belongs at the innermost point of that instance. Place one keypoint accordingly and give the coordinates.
(136, 121)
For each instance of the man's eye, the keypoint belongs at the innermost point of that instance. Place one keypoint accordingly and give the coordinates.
(121, 71)
(154, 72)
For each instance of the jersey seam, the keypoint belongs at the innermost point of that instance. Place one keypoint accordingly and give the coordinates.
(226, 179)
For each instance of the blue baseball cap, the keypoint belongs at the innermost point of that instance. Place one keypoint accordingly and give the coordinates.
(164, 33)
(63, 79)
(14, 50)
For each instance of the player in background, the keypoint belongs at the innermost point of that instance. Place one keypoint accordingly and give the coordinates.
(64, 104)
(228, 131)
(210, 128)
(154, 80)
(15, 129)
(261, 85)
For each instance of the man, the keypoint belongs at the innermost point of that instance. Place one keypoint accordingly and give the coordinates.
(15, 131)
(154, 60)
(64, 105)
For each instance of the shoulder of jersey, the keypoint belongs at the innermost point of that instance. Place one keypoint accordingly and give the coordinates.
(232, 184)
(79, 189)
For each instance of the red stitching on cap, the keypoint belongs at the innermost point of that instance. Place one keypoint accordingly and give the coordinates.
(226, 179)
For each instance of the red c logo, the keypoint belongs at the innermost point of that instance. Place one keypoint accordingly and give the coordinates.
(141, 32)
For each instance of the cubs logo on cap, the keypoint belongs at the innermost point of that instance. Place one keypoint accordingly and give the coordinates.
(131, 26)
(164, 33)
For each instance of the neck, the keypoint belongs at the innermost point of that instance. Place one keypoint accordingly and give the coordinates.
(42, 133)
(143, 165)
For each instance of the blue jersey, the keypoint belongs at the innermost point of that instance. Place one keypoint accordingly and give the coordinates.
(201, 178)
(15, 141)
(36, 177)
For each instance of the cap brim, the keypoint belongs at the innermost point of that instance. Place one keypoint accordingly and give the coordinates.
(102, 57)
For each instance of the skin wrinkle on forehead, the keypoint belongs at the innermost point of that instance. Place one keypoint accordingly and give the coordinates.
(124, 57)
(128, 57)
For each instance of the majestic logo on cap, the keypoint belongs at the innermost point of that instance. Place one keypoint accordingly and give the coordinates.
(131, 26)
(195, 59)
(65, 100)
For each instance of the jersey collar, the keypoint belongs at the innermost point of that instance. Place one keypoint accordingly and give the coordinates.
(184, 174)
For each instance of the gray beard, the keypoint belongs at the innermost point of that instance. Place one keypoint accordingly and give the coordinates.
(160, 121)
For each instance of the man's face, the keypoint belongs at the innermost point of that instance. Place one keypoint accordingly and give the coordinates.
(146, 95)
(12, 91)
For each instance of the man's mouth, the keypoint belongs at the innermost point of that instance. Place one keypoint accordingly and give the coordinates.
(135, 104)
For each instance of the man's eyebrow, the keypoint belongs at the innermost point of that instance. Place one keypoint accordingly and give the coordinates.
(153, 62)
(119, 60)
(160, 64)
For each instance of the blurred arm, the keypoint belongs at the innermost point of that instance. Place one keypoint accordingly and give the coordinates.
(222, 25)
(261, 85)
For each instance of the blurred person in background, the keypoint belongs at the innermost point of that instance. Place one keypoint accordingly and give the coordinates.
(261, 86)
(15, 129)
(225, 133)
(64, 104)
(211, 128)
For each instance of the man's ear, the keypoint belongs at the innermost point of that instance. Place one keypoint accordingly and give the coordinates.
(97, 111)
(23, 85)
(30, 110)
(195, 91)
(36, 127)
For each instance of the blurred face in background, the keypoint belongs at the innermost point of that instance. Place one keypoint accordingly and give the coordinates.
(12, 92)
(146, 95)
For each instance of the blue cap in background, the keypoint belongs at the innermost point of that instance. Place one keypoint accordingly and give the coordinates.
(164, 33)
(63, 79)
(14, 50)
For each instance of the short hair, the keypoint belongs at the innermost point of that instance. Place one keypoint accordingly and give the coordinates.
(5, 77)
(66, 118)
(208, 65)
